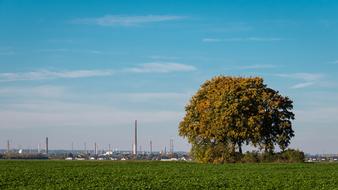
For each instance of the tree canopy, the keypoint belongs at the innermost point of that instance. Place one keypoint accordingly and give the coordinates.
(227, 112)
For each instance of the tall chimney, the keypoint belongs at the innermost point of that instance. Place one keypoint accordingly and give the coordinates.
(171, 146)
(95, 148)
(135, 139)
(151, 147)
(8, 146)
(85, 147)
(47, 145)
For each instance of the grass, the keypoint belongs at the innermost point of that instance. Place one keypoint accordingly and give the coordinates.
(164, 175)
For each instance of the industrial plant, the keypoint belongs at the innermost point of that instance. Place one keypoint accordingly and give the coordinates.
(43, 152)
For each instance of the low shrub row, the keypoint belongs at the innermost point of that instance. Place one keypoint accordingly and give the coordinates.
(287, 156)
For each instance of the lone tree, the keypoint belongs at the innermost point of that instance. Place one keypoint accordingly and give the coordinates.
(228, 112)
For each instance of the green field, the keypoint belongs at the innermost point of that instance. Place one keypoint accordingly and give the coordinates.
(164, 175)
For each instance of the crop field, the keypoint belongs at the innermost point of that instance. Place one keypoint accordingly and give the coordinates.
(164, 175)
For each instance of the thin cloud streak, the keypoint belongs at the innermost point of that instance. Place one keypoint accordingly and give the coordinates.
(302, 85)
(118, 20)
(159, 67)
(155, 67)
(90, 51)
(308, 79)
(303, 76)
(159, 57)
(263, 66)
(249, 39)
(46, 74)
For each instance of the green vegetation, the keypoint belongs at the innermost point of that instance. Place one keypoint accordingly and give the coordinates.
(287, 156)
(164, 175)
(228, 112)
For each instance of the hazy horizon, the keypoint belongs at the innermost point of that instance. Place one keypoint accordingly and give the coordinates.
(84, 71)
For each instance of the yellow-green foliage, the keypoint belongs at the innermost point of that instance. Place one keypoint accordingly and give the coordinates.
(232, 111)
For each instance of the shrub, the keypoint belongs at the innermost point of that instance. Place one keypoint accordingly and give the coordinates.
(292, 156)
(251, 157)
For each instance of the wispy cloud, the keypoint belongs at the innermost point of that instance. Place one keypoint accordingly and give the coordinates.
(142, 101)
(262, 66)
(45, 106)
(118, 20)
(303, 76)
(49, 113)
(307, 79)
(65, 50)
(44, 91)
(155, 67)
(248, 39)
(302, 85)
(46, 74)
(150, 96)
(161, 67)
(160, 57)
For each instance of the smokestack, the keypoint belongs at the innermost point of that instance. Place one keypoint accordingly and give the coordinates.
(85, 147)
(135, 139)
(171, 146)
(151, 147)
(95, 148)
(47, 145)
(8, 146)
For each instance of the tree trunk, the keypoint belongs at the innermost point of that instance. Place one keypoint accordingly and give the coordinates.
(233, 148)
(240, 148)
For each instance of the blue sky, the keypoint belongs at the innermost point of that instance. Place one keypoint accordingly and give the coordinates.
(83, 71)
